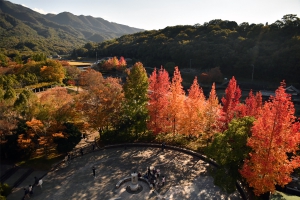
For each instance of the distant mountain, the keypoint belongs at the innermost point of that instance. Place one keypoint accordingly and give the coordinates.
(25, 30)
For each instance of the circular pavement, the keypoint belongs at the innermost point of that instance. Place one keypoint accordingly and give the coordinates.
(186, 176)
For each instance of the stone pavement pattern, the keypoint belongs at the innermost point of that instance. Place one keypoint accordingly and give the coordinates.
(186, 177)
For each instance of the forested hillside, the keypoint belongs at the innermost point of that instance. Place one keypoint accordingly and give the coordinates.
(26, 31)
(271, 51)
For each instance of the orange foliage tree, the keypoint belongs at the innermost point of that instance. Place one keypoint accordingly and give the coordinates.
(212, 113)
(52, 71)
(230, 102)
(122, 63)
(159, 85)
(56, 106)
(253, 104)
(100, 102)
(176, 102)
(36, 137)
(274, 142)
(90, 79)
(194, 104)
(114, 63)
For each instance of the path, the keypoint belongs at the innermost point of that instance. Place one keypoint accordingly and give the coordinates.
(186, 177)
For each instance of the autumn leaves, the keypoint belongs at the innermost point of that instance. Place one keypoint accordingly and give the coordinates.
(274, 141)
(261, 143)
(171, 111)
(254, 140)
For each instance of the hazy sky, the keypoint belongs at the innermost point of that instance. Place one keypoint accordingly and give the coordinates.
(158, 14)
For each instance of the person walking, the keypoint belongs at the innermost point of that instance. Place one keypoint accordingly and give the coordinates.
(163, 180)
(26, 194)
(93, 147)
(154, 171)
(149, 172)
(40, 183)
(69, 157)
(81, 151)
(154, 185)
(158, 172)
(94, 172)
(30, 190)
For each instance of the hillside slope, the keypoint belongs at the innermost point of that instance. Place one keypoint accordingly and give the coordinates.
(25, 30)
(261, 51)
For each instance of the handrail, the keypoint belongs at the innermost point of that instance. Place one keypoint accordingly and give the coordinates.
(88, 149)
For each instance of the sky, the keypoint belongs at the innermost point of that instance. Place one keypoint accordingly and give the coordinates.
(158, 14)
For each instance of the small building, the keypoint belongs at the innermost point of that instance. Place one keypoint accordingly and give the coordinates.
(293, 91)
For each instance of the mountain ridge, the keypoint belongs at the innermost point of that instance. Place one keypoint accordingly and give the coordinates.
(53, 28)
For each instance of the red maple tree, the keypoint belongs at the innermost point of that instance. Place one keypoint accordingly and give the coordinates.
(159, 85)
(274, 142)
(230, 102)
(253, 104)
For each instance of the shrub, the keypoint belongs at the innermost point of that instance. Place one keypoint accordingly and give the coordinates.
(5, 190)
(114, 137)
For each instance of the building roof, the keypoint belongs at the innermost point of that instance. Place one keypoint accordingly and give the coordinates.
(292, 90)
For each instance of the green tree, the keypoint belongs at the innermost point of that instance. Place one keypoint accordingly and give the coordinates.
(52, 71)
(136, 98)
(8, 81)
(3, 60)
(27, 104)
(10, 93)
(229, 150)
(39, 57)
(27, 79)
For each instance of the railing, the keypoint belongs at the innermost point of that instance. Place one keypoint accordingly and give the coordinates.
(88, 148)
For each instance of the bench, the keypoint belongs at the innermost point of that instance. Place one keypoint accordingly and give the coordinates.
(126, 179)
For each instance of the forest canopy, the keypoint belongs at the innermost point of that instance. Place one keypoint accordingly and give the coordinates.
(272, 51)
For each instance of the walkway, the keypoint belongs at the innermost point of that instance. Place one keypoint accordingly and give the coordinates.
(186, 177)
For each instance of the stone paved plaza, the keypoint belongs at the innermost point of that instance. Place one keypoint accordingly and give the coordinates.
(186, 177)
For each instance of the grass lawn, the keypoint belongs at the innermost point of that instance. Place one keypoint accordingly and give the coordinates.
(282, 196)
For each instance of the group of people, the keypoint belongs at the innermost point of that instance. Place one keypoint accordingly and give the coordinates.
(154, 177)
(28, 192)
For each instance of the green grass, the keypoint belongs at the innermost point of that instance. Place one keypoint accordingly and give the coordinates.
(282, 196)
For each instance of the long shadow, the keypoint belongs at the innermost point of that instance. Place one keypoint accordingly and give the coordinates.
(117, 162)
